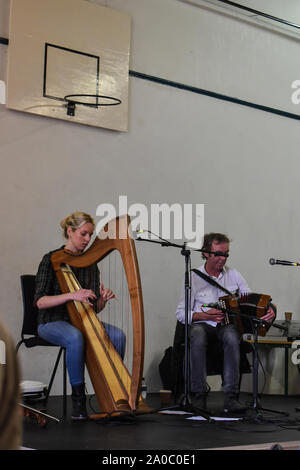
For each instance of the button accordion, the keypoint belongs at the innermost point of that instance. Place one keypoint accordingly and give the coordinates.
(242, 309)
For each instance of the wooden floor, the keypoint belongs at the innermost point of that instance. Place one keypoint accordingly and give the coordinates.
(170, 432)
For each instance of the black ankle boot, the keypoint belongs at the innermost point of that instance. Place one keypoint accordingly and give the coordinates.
(232, 405)
(199, 401)
(79, 402)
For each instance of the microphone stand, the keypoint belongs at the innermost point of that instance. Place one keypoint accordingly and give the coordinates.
(256, 403)
(185, 400)
(256, 324)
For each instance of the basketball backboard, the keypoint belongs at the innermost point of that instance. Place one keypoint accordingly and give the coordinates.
(69, 47)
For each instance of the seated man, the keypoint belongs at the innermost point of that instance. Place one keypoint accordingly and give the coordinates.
(207, 324)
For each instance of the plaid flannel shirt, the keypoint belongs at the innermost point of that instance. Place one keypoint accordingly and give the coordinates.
(46, 283)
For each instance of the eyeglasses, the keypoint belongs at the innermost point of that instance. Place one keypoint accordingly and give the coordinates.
(220, 253)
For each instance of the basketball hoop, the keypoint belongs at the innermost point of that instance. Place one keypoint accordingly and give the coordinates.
(73, 100)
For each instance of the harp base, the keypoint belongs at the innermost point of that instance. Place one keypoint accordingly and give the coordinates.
(121, 413)
(142, 408)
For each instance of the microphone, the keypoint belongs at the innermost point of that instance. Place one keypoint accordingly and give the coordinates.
(273, 261)
(141, 231)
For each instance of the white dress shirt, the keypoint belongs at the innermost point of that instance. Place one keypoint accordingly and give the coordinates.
(204, 293)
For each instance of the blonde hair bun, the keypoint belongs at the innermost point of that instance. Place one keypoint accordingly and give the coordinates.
(75, 220)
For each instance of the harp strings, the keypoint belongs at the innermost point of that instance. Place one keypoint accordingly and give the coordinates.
(117, 311)
(110, 362)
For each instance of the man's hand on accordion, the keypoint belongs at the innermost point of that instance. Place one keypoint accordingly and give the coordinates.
(270, 315)
(212, 314)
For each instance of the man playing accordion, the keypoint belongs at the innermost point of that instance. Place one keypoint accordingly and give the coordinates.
(207, 324)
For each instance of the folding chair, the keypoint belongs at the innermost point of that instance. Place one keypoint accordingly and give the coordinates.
(30, 338)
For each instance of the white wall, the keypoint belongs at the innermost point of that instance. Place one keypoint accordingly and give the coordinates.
(242, 163)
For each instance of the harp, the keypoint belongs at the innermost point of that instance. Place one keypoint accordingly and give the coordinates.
(116, 388)
(245, 308)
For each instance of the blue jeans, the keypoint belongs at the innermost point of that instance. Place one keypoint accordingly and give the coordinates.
(64, 334)
(200, 334)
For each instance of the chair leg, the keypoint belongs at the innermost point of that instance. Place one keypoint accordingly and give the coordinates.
(19, 344)
(53, 375)
(240, 381)
(64, 385)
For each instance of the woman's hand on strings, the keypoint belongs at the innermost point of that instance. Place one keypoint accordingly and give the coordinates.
(105, 296)
(84, 295)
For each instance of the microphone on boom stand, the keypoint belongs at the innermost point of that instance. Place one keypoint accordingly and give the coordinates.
(273, 261)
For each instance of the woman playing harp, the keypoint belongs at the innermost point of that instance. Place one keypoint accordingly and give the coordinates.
(53, 318)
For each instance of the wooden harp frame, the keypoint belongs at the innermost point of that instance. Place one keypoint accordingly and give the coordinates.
(115, 388)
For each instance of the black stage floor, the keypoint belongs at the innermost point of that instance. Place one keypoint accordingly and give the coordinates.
(157, 432)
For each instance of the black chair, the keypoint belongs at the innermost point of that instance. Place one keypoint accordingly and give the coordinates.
(30, 338)
(214, 358)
